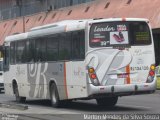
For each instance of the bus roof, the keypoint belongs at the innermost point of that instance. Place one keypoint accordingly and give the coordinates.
(59, 27)
(63, 26)
(16, 37)
(61, 23)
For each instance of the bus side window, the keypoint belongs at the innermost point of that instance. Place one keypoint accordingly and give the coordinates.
(40, 53)
(52, 48)
(30, 45)
(12, 53)
(64, 47)
(78, 45)
(82, 44)
(20, 51)
(6, 58)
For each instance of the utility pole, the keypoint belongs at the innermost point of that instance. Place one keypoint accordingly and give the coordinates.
(20, 5)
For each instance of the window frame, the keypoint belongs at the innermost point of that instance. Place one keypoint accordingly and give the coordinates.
(129, 35)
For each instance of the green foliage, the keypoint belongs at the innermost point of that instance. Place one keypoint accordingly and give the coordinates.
(158, 82)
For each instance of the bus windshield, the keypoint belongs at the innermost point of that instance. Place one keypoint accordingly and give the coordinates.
(119, 33)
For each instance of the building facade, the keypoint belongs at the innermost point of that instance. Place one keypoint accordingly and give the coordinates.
(15, 8)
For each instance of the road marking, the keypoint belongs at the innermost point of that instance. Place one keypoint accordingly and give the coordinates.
(134, 106)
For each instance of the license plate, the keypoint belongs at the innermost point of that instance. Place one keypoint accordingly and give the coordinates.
(126, 75)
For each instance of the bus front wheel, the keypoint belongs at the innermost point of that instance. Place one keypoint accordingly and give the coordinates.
(107, 101)
(16, 92)
(55, 101)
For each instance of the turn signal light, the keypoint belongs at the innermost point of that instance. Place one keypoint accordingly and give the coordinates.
(91, 70)
(152, 67)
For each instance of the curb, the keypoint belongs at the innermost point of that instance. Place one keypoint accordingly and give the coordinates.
(157, 91)
(14, 106)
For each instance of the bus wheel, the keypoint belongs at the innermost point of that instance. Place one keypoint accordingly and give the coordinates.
(107, 101)
(54, 95)
(16, 92)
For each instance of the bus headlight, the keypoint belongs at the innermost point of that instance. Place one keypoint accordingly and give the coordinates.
(91, 70)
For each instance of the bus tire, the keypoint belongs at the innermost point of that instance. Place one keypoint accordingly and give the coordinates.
(16, 92)
(55, 101)
(107, 101)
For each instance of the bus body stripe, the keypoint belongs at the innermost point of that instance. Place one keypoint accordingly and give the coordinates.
(128, 72)
(65, 81)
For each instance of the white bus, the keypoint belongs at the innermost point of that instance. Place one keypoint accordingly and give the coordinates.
(98, 59)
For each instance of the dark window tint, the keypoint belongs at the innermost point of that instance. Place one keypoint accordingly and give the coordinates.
(30, 46)
(6, 58)
(139, 33)
(12, 53)
(40, 53)
(78, 45)
(20, 52)
(65, 46)
(52, 48)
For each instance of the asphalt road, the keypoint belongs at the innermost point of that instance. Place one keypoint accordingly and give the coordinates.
(80, 110)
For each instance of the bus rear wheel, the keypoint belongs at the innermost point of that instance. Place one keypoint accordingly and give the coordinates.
(107, 101)
(16, 92)
(55, 101)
